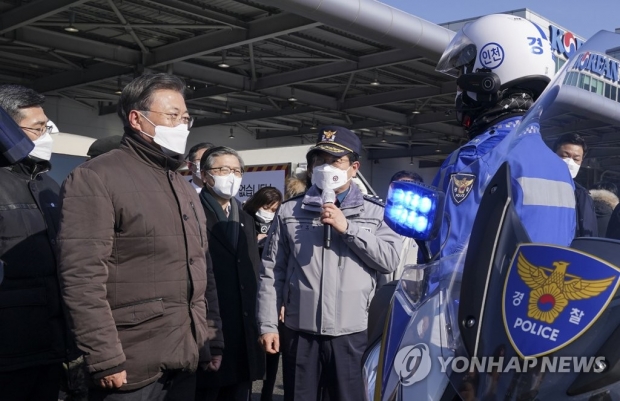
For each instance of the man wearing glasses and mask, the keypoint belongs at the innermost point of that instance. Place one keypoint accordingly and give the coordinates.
(32, 325)
(134, 267)
(325, 286)
(234, 251)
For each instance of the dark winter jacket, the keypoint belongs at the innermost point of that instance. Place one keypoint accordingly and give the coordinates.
(236, 273)
(133, 265)
(32, 328)
(604, 204)
(587, 225)
(613, 229)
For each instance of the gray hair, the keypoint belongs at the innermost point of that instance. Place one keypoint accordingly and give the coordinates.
(208, 157)
(138, 94)
(14, 98)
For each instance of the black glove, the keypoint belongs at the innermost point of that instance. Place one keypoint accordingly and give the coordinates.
(75, 380)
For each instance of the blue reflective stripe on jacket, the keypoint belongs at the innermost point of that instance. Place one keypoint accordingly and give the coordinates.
(541, 185)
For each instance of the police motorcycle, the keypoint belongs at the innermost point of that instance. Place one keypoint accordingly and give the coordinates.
(505, 319)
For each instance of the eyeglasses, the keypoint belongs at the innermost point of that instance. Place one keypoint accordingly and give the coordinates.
(226, 171)
(46, 129)
(176, 118)
(332, 161)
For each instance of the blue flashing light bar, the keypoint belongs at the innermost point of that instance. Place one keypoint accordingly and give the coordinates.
(414, 210)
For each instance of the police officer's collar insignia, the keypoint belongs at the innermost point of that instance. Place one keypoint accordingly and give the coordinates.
(552, 295)
(460, 186)
(328, 136)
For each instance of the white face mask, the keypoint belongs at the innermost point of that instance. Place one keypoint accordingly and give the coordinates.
(329, 177)
(226, 186)
(42, 147)
(171, 139)
(573, 167)
(265, 216)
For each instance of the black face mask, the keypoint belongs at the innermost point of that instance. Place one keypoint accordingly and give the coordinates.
(513, 101)
(467, 109)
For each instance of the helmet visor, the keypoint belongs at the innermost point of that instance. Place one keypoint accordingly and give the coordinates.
(459, 57)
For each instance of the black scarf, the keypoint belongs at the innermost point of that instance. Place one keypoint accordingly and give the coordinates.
(228, 226)
(512, 104)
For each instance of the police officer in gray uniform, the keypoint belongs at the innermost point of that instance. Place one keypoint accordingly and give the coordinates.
(325, 290)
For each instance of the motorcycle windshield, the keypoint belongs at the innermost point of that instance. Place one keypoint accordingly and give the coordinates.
(539, 345)
(417, 326)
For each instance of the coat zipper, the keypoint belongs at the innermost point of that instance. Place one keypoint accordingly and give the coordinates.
(199, 227)
(190, 286)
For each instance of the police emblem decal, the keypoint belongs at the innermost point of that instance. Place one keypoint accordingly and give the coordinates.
(461, 185)
(552, 295)
(328, 136)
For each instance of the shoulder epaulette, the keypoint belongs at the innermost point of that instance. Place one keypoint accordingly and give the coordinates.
(295, 197)
(374, 199)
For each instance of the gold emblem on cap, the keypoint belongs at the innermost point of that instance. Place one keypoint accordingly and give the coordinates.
(329, 135)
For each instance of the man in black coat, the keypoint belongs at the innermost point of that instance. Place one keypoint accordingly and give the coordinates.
(605, 197)
(572, 149)
(32, 327)
(234, 252)
(613, 227)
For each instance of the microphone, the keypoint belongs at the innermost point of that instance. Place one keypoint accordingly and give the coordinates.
(328, 197)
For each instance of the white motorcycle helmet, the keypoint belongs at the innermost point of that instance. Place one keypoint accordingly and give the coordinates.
(495, 53)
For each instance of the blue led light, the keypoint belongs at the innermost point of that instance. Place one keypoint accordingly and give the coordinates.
(407, 199)
(425, 205)
(414, 209)
(396, 211)
(399, 195)
(411, 219)
(421, 223)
